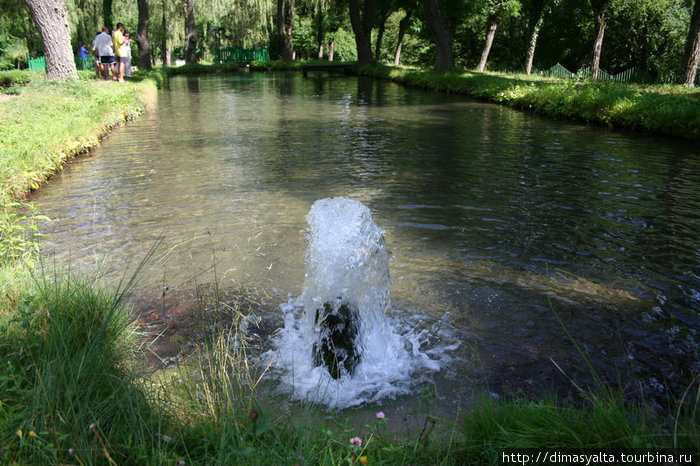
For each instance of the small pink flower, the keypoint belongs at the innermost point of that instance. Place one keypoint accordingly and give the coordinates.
(356, 441)
(380, 415)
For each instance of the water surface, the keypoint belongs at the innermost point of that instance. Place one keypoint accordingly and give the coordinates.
(499, 222)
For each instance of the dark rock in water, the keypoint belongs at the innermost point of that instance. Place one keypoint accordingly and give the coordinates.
(337, 348)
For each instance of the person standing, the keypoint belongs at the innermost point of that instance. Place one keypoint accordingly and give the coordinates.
(105, 50)
(98, 65)
(120, 51)
(127, 65)
(84, 56)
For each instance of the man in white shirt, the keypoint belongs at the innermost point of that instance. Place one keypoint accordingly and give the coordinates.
(105, 50)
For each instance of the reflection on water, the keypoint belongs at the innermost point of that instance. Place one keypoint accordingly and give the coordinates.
(496, 218)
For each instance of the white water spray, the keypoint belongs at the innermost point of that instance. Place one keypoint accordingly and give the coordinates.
(344, 301)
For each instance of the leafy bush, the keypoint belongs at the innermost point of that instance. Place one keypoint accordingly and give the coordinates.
(13, 52)
(15, 77)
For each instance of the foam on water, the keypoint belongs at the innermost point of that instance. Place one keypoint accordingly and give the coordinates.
(347, 257)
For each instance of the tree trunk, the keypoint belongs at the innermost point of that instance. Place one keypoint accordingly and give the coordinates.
(599, 9)
(691, 57)
(51, 18)
(190, 34)
(107, 14)
(444, 58)
(320, 32)
(490, 34)
(142, 36)
(403, 27)
(380, 38)
(530, 56)
(285, 27)
(167, 33)
(331, 51)
(361, 20)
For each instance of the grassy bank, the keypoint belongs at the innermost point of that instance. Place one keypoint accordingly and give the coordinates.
(50, 122)
(659, 109)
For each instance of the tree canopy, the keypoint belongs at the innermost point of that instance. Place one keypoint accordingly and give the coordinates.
(656, 37)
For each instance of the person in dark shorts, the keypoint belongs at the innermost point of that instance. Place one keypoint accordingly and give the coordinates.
(105, 50)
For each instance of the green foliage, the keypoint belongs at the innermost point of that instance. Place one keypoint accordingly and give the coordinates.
(15, 78)
(69, 390)
(13, 52)
(19, 233)
(648, 35)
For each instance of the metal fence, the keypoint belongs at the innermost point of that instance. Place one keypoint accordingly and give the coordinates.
(39, 64)
(240, 55)
(632, 75)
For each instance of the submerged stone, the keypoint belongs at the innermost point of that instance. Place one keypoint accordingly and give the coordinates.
(337, 348)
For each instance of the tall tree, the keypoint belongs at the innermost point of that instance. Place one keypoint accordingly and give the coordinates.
(403, 27)
(142, 37)
(600, 8)
(442, 35)
(190, 33)
(167, 29)
(691, 57)
(386, 7)
(285, 27)
(51, 18)
(361, 19)
(496, 10)
(107, 14)
(320, 13)
(535, 20)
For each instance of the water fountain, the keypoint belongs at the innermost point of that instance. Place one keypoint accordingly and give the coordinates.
(346, 283)
(338, 345)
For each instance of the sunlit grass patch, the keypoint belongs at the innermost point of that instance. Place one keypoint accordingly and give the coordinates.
(49, 122)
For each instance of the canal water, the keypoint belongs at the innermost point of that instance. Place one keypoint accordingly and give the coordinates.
(512, 236)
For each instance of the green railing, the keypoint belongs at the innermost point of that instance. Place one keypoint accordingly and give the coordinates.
(240, 55)
(36, 64)
(39, 64)
(632, 75)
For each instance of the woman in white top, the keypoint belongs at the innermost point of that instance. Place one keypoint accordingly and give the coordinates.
(127, 44)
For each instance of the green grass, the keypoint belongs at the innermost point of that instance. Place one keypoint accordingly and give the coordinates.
(603, 422)
(660, 109)
(50, 122)
(11, 82)
(69, 385)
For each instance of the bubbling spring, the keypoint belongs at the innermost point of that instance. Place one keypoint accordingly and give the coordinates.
(339, 346)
